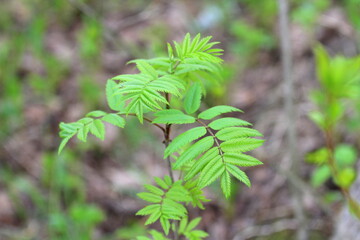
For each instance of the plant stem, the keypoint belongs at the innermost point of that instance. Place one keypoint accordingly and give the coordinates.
(330, 145)
(148, 120)
(167, 141)
(215, 139)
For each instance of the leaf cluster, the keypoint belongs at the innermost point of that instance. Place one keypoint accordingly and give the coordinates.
(213, 149)
(93, 123)
(217, 149)
(167, 201)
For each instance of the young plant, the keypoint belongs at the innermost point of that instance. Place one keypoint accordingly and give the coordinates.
(339, 78)
(212, 149)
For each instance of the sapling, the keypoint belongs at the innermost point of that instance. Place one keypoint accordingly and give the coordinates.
(339, 79)
(168, 92)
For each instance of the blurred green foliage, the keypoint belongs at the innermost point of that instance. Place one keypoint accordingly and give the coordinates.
(339, 79)
(250, 40)
(33, 70)
(306, 12)
(353, 8)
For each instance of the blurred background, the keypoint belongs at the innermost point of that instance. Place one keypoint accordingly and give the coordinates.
(55, 58)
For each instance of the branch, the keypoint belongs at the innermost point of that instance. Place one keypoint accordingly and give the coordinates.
(146, 119)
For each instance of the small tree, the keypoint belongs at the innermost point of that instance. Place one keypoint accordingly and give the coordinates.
(213, 149)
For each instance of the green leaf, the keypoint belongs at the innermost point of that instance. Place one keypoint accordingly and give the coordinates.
(67, 131)
(97, 129)
(225, 183)
(183, 139)
(157, 235)
(149, 209)
(182, 225)
(192, 98)
(165, 223)
(318, 157)
(237, 132)
(173, 209)
(154, 189)
(202, 162)
(161, 183)
(64, 142)
(186, 45)
(170, 51)
(150, 197)
(135, 78)
(228, 122)
(197, 235)
(146, 68)
(198, 48)
(237, 173)
(194, 42)
(241, 144)
(96, 113)
(85, 121)
(178, 193)
(172, 116)
(318, 118)
(168, 180)
(345, 155)
(346, 177)
(193, 151)
(192, 224)
(69, 128)
(320, 175)
(167, 84)
(211, 172)
(241, 160)
(153, 217)
(114, 100)
(196, 194)
(216, 111)
(114, 119)
(83, 132)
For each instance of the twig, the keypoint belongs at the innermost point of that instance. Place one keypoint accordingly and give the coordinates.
(148, 120)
